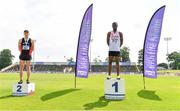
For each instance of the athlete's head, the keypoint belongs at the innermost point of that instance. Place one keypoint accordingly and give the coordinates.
(114, 26)
(26, 33)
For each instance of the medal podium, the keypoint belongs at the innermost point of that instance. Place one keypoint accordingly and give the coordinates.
(114, 89)
(23, 89)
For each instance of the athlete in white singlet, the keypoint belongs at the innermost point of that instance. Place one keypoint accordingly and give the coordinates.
(114, 41)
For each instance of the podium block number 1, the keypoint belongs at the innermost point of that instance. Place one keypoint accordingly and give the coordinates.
(19, 87)
(115, 85)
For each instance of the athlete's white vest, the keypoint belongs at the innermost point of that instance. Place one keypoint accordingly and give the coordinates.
(114, 41)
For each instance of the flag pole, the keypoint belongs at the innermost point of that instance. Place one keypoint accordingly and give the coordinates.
(144, 82)
(75, 77)
(75, 81)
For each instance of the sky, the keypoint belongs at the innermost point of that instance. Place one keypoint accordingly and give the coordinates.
(55, 24)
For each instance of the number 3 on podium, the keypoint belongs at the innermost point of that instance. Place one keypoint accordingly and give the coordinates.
(115, 85)
(19, 87)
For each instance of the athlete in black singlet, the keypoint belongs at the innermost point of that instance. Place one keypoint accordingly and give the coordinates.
(26, 47)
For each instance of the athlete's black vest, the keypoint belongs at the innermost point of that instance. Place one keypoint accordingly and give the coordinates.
(26, 46)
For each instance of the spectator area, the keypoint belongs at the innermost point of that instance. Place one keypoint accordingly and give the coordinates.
(55, 67)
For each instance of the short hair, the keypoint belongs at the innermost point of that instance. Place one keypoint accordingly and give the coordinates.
(115, 23)
(26, 31)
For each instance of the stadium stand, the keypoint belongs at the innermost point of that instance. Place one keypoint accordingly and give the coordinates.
(68, 67)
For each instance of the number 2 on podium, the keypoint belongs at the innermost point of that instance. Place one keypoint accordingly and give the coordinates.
(115, 85)
(19, 88)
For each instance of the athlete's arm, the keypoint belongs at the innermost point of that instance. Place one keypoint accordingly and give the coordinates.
(121, 38)
(32, 42)
(108, 36)
(19, 44)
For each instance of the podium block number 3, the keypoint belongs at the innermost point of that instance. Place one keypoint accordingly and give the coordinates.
(115, 85)
(19, 87)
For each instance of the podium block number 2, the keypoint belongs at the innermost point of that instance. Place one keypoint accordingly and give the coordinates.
(115, 85)
(19, 87)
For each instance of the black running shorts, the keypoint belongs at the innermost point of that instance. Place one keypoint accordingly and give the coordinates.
(114, 53)
(25, 57)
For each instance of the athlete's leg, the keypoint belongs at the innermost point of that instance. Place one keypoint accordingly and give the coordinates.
(110, 65)
(28, 68)
(117, 64)
(21, 67)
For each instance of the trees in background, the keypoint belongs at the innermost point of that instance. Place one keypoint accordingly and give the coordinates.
(70, 59)
(174, 60)
(97, 59)
(140, 59)
(125, 51)
(6, 58)
(164, 65)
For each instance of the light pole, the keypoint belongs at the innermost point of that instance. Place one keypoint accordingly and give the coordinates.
(34, 55)
(167, 39)
(90, 50)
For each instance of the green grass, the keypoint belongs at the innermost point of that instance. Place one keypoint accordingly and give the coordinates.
(56, 92)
